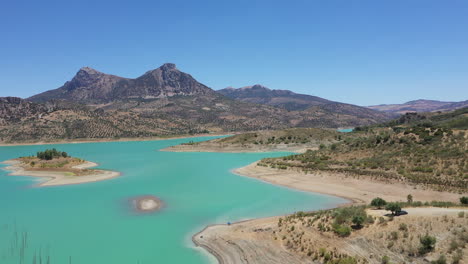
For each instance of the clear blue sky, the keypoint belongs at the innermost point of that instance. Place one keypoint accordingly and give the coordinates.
(361, 52)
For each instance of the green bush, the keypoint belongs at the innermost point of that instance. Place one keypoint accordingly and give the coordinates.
(378, 202)
(342, 230)
(358, 220)
(427, 244)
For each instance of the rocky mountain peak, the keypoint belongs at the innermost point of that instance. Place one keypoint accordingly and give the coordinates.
(88, 70)
(168, 66)
(260, 87)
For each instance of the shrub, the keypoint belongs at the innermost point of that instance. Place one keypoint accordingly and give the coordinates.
(427, 244)
(358, 220)
(346, 260)
(440, 260)
(403, 227)
(409, 198)
(453, 245)
(385, 260)
(464, 200)
(378, 202)
(457, 256)
(342, 230)
(381, 220)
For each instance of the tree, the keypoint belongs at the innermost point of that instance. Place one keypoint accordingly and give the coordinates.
(378, 202)
(409, 198)
(395, 208)
(49, 154)
(358, 220)
(464, 200)
(427, 244)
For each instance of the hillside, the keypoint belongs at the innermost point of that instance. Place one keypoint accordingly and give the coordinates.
(316, 108)
(420, 106)
(457, 119)
(292, 139)
(23, 121)
(425, 235)
(281, 98)
(428, 157)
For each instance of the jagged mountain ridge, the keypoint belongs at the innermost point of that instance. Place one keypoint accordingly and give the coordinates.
(90, 86)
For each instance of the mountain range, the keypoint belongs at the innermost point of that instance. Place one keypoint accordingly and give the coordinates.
(281, 98)
(420, 105)
(91, 86)
(164, 101)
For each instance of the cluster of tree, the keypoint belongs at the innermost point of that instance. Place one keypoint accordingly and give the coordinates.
(395, 208)
(49, 154)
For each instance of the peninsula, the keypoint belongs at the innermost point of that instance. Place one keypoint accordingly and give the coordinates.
(291, 140)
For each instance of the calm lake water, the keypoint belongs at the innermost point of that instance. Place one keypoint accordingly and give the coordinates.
(93, 223)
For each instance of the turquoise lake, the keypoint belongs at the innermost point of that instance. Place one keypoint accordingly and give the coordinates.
(93, 223)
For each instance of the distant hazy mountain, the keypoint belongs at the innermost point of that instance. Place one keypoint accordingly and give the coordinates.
(281, 98)
(312, 105)
(91, 86)
(420, 106)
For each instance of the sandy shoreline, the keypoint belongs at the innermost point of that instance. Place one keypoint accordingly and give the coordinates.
(90, 140)
(356, 189)
(55, 178)
(231, 245)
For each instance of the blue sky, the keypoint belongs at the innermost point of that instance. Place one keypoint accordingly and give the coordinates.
(360, 52)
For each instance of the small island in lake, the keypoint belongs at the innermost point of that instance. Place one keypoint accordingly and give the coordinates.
(59, 167)
(147, 203)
